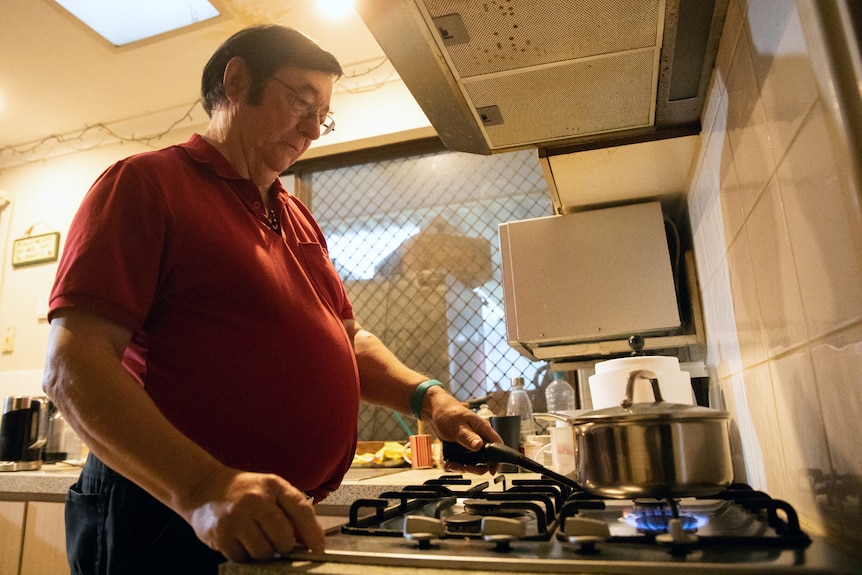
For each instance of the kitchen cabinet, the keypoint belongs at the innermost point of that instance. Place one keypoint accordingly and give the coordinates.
(32, 522)
(11, 535)
(44, 550)
(32, 538)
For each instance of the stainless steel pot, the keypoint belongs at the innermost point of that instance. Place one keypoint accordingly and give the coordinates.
(655, 449)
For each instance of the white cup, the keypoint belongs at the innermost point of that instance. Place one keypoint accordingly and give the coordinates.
(563, 449)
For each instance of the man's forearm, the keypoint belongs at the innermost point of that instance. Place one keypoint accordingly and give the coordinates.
(116, 419)
(384, 379)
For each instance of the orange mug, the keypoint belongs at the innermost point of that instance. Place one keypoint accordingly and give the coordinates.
(418, 452)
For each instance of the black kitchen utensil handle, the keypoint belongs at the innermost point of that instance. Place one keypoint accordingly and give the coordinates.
(500, 453)
(457, 453)
(487, 454)
(505, 454)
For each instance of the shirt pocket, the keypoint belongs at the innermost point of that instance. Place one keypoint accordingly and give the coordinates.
(323, 276)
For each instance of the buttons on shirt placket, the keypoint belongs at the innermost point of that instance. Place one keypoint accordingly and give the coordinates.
(273, 222)
(271, 218)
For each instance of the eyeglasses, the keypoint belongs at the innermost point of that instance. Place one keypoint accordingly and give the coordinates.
(305, 109)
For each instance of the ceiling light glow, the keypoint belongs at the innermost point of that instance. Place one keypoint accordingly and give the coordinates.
(335, 9)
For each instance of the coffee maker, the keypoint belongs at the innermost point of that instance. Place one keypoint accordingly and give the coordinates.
(23, 433)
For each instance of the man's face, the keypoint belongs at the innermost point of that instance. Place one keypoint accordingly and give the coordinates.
(279, 129)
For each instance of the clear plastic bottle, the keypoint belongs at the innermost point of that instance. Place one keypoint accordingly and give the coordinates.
(559, 395)
(520, 404)
(485, 411)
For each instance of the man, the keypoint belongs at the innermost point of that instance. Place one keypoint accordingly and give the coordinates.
(202, 344)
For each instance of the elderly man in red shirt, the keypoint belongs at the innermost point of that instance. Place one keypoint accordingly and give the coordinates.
(200, 336)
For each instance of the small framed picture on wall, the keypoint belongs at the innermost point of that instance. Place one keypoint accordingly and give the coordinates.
(35, 249)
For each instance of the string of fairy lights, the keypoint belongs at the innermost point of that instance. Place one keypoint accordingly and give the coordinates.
(359, 77)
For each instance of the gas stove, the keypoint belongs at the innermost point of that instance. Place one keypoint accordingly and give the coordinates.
(514, 525)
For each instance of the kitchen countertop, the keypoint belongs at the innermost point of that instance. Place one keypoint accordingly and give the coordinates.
(52, 480)
(49, 483)
(309, 567)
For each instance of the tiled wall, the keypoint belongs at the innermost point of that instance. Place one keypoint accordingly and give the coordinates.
(777, 228)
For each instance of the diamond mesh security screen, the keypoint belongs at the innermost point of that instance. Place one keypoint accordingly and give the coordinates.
(415, 241)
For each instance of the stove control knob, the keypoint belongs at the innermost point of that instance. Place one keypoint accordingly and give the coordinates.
(585, 533)
(502, 531)
(422, 529)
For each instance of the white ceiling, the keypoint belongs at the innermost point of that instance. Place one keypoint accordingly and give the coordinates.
(57, 77)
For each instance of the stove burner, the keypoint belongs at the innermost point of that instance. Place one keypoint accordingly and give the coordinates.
(463, 523)
(493, 508)
(659, 523)
(653, 516)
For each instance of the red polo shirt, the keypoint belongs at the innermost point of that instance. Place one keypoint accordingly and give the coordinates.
(238, 333)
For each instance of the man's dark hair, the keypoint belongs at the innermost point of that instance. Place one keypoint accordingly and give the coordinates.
(264, 49)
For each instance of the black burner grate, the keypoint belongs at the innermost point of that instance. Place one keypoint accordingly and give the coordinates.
(545, 505)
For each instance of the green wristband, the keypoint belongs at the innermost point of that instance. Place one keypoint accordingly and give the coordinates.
(419, 395)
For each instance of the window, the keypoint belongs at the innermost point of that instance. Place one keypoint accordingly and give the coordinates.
(415, 241)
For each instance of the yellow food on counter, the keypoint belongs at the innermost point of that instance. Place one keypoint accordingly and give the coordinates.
(391, 453)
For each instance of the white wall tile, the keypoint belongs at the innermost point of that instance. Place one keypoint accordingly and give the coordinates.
(837, 365)
(707, 232)
(722, 338)
(696, 216)
(745, 448)
(718, 169)
(825, 227)
(775, 274)
(782, 68)
(727, 44)
(713, 101)
(746, 305)
(732, 213)
(766, 432)
(746, 126)
(802, 431)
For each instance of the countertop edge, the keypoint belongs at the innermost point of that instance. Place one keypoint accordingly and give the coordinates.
(53, 481)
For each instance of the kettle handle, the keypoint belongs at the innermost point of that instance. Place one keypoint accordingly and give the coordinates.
(36, 437)
(630, 386)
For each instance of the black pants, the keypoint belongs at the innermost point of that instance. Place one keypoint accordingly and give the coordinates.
(113, 527)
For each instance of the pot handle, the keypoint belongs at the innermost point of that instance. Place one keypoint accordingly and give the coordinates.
(630, 386)
(553, 417)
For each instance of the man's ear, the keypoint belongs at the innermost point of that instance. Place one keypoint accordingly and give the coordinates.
(236, 80)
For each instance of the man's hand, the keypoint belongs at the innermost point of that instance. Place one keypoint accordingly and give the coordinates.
(254, 516)
(452, 421)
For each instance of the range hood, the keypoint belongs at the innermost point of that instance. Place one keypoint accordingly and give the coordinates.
(499, 75)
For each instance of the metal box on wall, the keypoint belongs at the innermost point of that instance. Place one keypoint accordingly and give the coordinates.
(586, 277)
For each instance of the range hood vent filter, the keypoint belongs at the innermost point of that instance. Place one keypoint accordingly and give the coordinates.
(488, 37)
(580, 86)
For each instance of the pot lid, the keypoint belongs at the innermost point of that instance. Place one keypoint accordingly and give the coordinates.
(657, 410)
